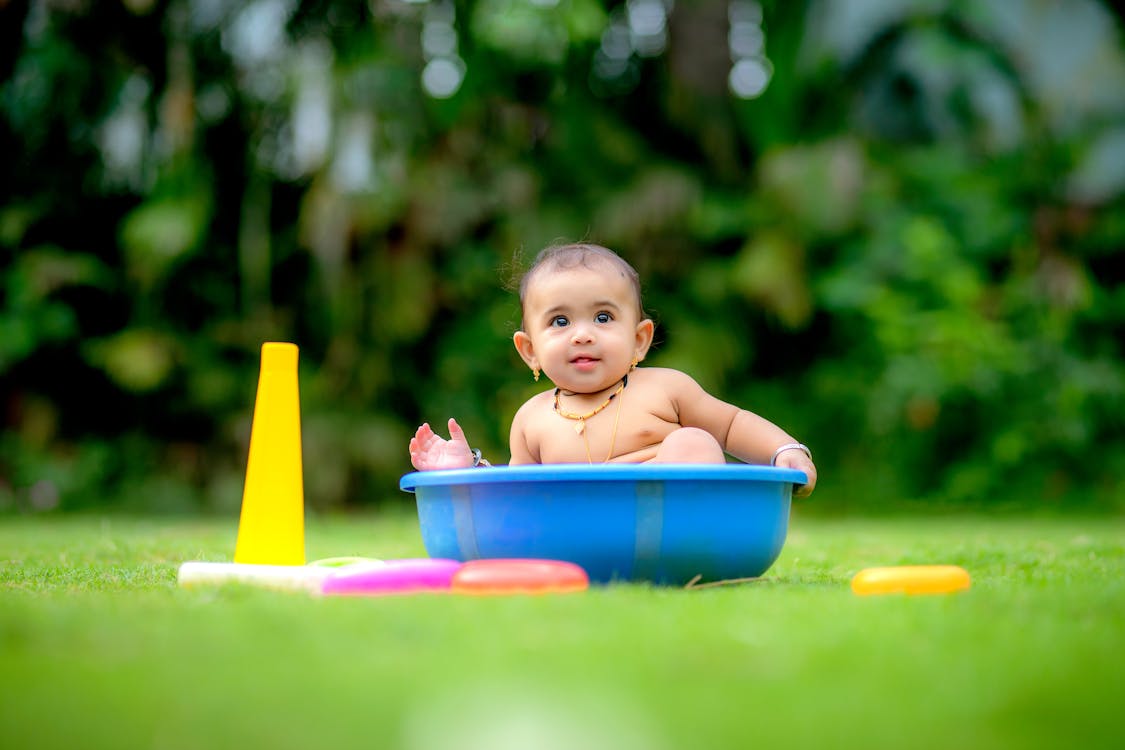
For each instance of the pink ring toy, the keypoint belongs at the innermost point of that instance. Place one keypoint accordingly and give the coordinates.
(393, 577)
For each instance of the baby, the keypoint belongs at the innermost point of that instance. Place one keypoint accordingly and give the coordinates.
(583, 327)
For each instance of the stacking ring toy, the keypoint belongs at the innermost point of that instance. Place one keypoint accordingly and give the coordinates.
(911, 579)
(519, 577)
(393, 577)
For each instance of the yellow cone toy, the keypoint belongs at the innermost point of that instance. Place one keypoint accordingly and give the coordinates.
(271, 530)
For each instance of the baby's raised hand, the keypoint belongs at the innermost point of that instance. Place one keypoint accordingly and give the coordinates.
(429, 451)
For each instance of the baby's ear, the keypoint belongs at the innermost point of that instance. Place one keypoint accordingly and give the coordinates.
(525, 348)
(646, 329)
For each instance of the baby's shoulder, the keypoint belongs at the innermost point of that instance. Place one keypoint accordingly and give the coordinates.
(533, 404)
(663, 385)
(662, 377)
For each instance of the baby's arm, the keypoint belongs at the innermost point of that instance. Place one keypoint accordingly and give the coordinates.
(428, 451)
(741, 433)
(748, 429)
(517, 439)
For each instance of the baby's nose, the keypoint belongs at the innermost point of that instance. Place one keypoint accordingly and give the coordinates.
(581, 334)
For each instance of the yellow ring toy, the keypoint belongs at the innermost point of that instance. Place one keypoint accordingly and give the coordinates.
(911, 579)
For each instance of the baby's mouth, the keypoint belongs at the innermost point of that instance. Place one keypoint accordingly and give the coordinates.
(583, 361)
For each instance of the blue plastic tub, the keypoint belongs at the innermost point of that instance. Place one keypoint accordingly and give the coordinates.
(663, 523)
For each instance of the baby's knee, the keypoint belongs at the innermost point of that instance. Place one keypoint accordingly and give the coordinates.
(690, 445)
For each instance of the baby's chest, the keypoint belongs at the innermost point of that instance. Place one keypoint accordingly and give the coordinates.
(562, 440)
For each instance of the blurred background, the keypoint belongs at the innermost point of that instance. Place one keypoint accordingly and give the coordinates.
(894, 227)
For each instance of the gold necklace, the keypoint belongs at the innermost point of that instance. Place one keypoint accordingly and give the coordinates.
(580, 428)
(612, 438)
(581, 418)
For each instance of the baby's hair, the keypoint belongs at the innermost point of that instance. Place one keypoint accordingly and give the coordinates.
(577, 254)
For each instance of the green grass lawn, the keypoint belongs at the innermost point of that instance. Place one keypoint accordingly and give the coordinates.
(100, 649)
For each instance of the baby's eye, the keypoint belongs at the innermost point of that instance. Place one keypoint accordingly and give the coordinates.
(560, 321)
(603, 317)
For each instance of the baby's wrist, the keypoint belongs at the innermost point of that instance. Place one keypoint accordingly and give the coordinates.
(790, 447)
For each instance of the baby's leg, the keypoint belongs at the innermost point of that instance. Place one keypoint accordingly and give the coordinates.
(689, 445)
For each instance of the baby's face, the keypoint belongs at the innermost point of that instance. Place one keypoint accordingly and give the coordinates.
(583, 325)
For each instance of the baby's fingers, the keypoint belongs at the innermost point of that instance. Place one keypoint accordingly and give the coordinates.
(804, 490)
(456, 433)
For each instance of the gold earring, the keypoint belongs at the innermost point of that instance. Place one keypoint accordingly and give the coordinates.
(535, 373)
(633, 366)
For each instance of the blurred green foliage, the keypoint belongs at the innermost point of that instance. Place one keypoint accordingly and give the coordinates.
(899, 235)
